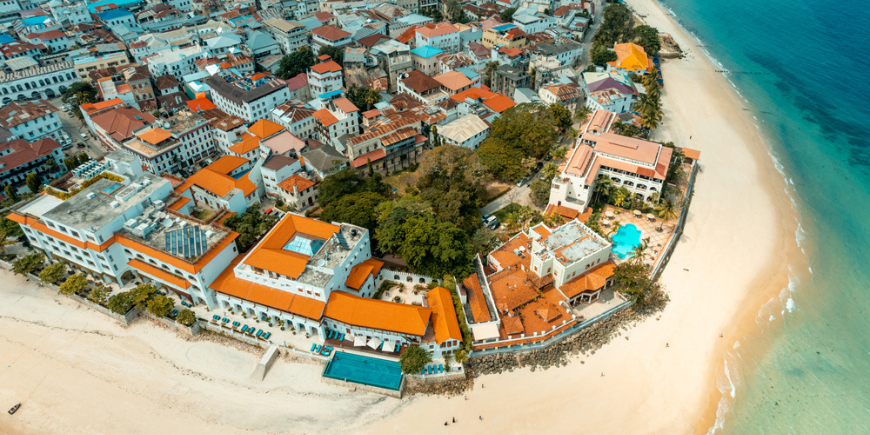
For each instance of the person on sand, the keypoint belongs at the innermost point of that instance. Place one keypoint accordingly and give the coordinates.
(602, 374)
(667, 345)
(445, 423)
(480, 417)
(454, 419)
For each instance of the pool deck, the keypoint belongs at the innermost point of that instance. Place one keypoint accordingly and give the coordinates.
(648, 229)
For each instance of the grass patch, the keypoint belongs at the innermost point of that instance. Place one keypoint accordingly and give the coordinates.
(501, 214)
(204, 215)
(496, 191)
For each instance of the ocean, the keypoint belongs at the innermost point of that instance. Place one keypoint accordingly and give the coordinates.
(804, 69)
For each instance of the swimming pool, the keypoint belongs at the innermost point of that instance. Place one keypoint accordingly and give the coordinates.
(376, 372)
(112, 188)
(624, 241)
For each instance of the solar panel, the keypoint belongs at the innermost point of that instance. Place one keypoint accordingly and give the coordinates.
(341, 241)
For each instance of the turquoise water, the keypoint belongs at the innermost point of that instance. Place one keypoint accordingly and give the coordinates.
(804, 69)
(624, 241)
(364, 370)
(112, 188)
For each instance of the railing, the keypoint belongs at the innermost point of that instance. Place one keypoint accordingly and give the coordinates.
(678, 231)
(557, 336)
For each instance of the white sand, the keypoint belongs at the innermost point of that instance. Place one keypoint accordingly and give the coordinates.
(79, 373)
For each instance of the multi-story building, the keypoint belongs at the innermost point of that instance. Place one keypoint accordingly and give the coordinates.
(533, 23)
(70, 13)
(31, 120)
(231, 183)
(425, 59)
(226, 129)
(566, 94)
(444, 36)
(124, 231)
(329, 36)
(468, 131)
(506, 79)
(567, 53)
(55, 40)
(393, 57)
(116, 17)
(390, 144)
(19, 158)
(630, 58)
(504, 36)
(46, 81)
(115, 124)
(297, 119)
(177, 142)
(246, 97)
(276, 169)
(289, 34)
(9, 6)
(86, 64)
(324, 78)
(178, 62)
(298, 192)
(422, 87)
(638, 165)
(613, 91)
(340, 117)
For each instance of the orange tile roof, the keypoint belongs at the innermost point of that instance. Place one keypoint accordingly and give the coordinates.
(91, 107)
(360, 272)
(245, 146)
(265, 128)
(345, 105)
(325, 67)
(510, 52)
(590, 281)
(444, 320)
(512, 325)
(442, 28)
(300, 182)
(630, 57)
(180, 203)
(155, 135)
(228, 283)
(215, 177)
(270, 254)
(380, 315)
(325, 117)
(476, 301)
(159, 274)
(692, 154)
(497, 102)
(200, 104)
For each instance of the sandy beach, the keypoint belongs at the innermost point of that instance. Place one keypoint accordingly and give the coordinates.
(78, 372)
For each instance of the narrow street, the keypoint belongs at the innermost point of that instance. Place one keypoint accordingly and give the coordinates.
(74, 128)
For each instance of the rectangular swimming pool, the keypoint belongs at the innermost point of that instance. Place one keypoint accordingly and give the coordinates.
(364, 370)
(112, 188)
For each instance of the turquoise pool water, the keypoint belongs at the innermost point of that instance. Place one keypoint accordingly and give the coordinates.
(624, 241)
(112, 188)
(360, 369)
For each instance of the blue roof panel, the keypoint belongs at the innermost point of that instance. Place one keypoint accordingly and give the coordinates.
(5, 39)
(114, 13)
(427, 51)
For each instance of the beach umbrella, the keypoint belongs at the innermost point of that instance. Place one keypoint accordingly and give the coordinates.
(650, 217)
(374, 343)
(608, 214)
(359, 341)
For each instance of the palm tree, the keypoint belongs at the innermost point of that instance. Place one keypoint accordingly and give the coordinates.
(3, 242)
(605, 185)
(582, 113)
(550, 170)
(614, 228)
(651, 117)
(617, 126)
(371, 97)
(644, 102)
(667, 210)
(640, 251)
(619, 197)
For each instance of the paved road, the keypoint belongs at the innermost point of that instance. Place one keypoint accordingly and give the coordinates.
(74, 128)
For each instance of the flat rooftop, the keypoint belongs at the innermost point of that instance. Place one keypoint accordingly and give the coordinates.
(82, 212)
(165, 227)
(572, 242)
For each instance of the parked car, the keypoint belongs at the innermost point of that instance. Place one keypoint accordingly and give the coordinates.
(491, 222)
(80, 145)
(83, 135)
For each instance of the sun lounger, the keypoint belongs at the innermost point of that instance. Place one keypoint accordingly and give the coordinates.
(440, 368)
(326, 352)
(267, 335)
(244, 328)
(342, 337)
(174, 313)
(216, 317)
(317, 349)
(398, 347)
(236, 324)
(313, 346)
(259, 333)
(225, 320)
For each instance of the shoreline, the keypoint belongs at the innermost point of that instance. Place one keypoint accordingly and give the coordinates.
(744, 326)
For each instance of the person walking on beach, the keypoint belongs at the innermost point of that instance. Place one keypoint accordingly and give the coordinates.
(667, 345)
(480, 417)
(602, 374)
(454, 419)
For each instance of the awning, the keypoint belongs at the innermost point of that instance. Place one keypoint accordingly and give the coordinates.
(389, 346)
(359, 341)
(374, 343)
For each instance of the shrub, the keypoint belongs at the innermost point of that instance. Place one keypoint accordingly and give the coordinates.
(432, 285)
(160, 305)
(141, 294)
(186, 317)
(413, 359)
(99, 295)
(52, 273)
(121, 303)
(73, 284)
(28, 263)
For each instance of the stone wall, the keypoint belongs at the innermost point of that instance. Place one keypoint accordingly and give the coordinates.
(354, 387)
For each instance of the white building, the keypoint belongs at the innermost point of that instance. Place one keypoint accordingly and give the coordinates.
(175, 143)
(176, 62)
(297, 119)
(248, 99)
(329, 36)
(468, 131)
(325, 77)
(289, 34)
(55, 40)
(31, 120)
(231, 183)
(19, 158)
(115, 227)
(638, 165)
(444, 36)
(42, 82)
(276, 169)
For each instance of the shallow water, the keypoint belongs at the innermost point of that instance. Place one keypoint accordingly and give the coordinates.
(804, 69)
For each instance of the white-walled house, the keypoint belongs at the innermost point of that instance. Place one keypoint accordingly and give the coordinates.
(31, 120)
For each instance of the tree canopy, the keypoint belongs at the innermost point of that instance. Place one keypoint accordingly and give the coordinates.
(80, 93)
(526, 130)
(160, 305)
(601, 54)
(186, 317)
(99, 295)
(33, 182)
(450, 181)
(296, 63)
(10, 227)
(336, 53)
(648, 38)
(73, 284)
(142, 294)
(121, 303)
(357, 209)
(250, 225)
(507, 15)
(28, 263)
(52, 273)
(363, 97)
(540, 192)
(635, 280)
(348, 181)
(428, 244)
(615, 27)
(413, 359)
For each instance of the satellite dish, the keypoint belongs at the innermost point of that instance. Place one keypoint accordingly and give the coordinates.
(167, 222)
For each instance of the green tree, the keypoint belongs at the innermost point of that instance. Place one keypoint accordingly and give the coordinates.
(363, 97)
(619, 196)
(70, 163)
(651, 117)
(581, 113)
(80, 93)
(501, 160)
(160, 305)
(33, 182)
(634, 280)
(550, 171)
(648, 38)
(52, 273)
(666, 210)
(427, 244)
(336, 53)
(10, 193)
(561, 115)
(121, 303)
(507, 15)
(348, 181)
(73, 284)
(540, 192)
(603, 186)
(483, 240)
(296, 63)
(28, 263)
(3, 242)
(639, 251)
(10, 227)
(600, 55)
(141, 294)
(83, 158)
(413, 359)
(436, 140)
(357, 209)
(250, 225)
(99, 295)
(616, 26)
(186, 317)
